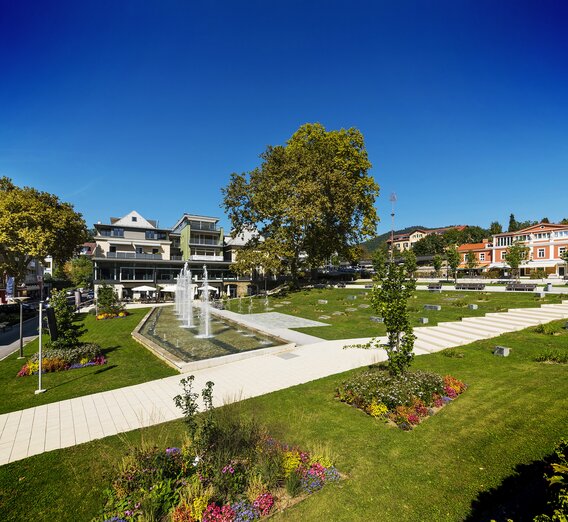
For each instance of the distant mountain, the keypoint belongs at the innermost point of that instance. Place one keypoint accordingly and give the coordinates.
(372, 244)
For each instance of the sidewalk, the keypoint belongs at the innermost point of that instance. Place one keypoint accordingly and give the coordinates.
(10, 340)
(74, 421)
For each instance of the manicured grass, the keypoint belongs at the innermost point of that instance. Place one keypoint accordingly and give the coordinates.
(512, 414)
(128, 363)
(355, 324)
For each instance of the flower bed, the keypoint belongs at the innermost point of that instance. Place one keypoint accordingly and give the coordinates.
(176, 485)
(404, 401)
(101, 317)
(88, 354)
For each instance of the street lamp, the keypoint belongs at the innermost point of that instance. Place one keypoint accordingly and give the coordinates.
(21, 301)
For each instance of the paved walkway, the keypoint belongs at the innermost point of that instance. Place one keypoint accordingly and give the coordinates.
(10, 340)
(74, 421)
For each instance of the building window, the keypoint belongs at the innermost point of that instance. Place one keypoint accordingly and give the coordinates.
(540, 252)
(118, 232)
(482, 256)
(134, 218)
(561, 251)
(503, 255)
(112, 249)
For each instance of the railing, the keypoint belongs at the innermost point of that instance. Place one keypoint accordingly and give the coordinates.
(212, 242)
(210, 228)
(205, 258)
(132, 255)
(176, 258)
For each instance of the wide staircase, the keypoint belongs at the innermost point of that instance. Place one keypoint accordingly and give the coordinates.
(469, 329)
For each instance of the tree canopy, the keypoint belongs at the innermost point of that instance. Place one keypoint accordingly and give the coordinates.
(309, 199)
(517, 253)
(80, 271)
(34, 225)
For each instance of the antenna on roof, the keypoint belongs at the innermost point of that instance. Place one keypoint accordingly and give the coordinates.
(392, 199)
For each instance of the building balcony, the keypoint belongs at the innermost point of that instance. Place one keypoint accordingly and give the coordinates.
(176, 258)
(133, 255)
(205, 226)
(208, 242)
(205, 258)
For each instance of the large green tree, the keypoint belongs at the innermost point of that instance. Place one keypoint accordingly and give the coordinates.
(311, 198)
(495, 228)
(80, 271)
(453, 259)
(34, 225)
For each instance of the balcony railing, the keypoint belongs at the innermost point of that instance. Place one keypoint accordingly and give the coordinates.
(210, 228)
(205, 258)
(133, 255)
(210, 242)
(176, 258)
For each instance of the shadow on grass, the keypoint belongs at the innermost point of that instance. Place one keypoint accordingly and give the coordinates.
(520, 497)
(79, 377)
(110, 349)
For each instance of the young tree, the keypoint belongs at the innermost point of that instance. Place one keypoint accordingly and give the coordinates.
(34, 225)
(312, 197)
(453, 259)
(495, 228)
(390, 300)
(437, 264)
(68, 332)
(517, 253)
(471, 262)
(380, 260)
(80, 271)
(409, 261)
(108, 301)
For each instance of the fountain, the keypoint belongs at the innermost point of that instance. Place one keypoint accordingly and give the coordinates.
(187, 300)
(205, 322)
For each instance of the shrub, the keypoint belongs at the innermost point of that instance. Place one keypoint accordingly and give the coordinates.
(553, 356)
(453, 353)
(558, 486)
(68, 333)
(547, 328)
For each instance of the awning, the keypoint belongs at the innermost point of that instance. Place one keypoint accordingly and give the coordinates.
(144, 288)
(208, 288)
(168, 288)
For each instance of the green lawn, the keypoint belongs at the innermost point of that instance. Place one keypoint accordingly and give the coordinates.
(512, 414)
(354, 324)
(128, 363)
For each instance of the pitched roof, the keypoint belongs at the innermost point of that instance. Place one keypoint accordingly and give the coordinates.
(133, 219)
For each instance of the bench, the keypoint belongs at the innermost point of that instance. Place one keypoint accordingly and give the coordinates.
(435, 286)
(470, 286)
(520, 287)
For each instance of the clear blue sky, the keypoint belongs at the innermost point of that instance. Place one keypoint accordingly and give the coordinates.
(150, 105)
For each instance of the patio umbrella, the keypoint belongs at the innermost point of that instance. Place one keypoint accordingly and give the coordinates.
(144, 288)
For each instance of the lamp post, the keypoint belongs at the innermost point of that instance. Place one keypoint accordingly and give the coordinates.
(21, 301)
(40, 389)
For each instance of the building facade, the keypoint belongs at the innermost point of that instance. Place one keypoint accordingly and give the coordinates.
(547, 242)
(133, 253)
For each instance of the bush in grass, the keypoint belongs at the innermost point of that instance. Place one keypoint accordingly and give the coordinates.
(547, 328)
(404, 400)
(108, 303)
(558, 486)
(54, 360)
(553, 356)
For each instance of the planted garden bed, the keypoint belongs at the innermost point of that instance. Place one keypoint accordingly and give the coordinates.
(404, 400)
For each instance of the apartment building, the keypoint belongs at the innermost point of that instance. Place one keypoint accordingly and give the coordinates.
(133, 252)
(547, 242)
(402, 242)
(481, 254)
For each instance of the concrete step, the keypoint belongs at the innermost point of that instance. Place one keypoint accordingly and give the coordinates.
(476, 329)
(538, 311)
(452, 337)
(543, 316)
(432, 339)
(487, 323)
(460, 332)
(428, 346)
(507, 322)
(507, 316)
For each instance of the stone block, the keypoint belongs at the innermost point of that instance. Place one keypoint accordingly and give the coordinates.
(473, 306)
(501, 351)
(423, 320)
(322, 301)
(351, 297)
(542, 295)
(376, 319)
(433, 307)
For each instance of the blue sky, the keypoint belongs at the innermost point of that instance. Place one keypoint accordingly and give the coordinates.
(116, 106)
